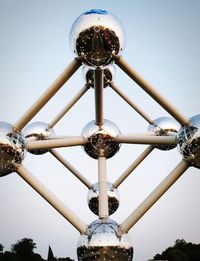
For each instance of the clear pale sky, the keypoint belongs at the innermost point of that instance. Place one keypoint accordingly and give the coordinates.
(162, 44)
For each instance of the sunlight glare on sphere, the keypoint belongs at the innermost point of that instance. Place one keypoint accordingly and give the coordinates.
(38, 131)
(189, 141)
(97, 34)
(12, 148)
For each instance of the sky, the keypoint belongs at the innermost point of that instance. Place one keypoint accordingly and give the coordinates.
(162, 44)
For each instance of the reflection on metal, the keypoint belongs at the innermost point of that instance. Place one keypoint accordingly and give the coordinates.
(38, 131)
(164, 126)
(96, 35)
(101, 140)
(97, 39)
(12, 148)
(104, 240)
(109, 73)
(93, 197)
(189, 141)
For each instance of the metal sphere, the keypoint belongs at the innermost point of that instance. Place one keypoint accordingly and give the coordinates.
(189, 141)
(109, 74)
(96, 34)
(38, 131)
(101, 140)
(164, 126)
(12, 148)
(93, 198)
(104, 240)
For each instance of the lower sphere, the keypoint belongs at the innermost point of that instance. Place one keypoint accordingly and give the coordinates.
(113, 198)
(104, 240)
(12, 148)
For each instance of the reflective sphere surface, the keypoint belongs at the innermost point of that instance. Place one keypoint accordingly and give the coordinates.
(96, 34)
(113, 198)
(101, 140)
(37, 131)
(109, 73)
(189, 141)
(164, 126)
(12, 148)
(105, 241)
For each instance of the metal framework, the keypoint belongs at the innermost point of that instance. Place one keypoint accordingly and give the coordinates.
(153, 139)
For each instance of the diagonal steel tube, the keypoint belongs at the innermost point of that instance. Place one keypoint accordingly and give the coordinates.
(154, 196)
(131, 103)
(103, 195)
(150, 90)
(98, 88)
(133, 166)
(56, 143)
(143, 139)
(71, 168)
(69, 106)
(51, 198)
(48, 94)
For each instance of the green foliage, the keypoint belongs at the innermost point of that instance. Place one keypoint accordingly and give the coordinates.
(181, 251)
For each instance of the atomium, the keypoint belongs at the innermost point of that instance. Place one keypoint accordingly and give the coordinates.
(101, 140)
(104, 240)
(109, 74)
(38, 131)
(12, 148)
(164, 126)
(96, 34)
(189, 141)
(113, 198)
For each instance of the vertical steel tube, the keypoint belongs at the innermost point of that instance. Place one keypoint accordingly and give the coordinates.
(150, 90)
(51, 199)
(103, 195)
(133, 166)
(98, 88)
(48, 94)
(154, 196)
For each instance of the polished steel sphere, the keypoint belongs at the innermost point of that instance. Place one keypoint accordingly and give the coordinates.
(104, 240)
(109, 74)
(101, 140)
(164, 126)
(12, 148)
(96, 34)
(38, 131)
(189, 141)
(93, 198)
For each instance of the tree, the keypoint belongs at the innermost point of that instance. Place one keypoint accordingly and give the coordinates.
(1, 248)
(181, 251)
(23, 247)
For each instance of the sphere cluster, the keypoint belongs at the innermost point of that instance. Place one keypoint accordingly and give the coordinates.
(164, 126)
(96, 34)
(12, 148)
(38, 131)
(101, 140)
(189, 141)
(104, 240)
(113, 198)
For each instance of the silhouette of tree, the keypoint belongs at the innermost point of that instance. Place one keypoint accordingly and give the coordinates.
(23, 247)
(1, 248)
(181, 251)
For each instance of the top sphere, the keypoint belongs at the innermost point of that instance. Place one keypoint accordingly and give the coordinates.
(96, 34)
(189, 141)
